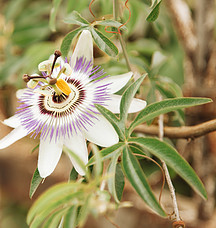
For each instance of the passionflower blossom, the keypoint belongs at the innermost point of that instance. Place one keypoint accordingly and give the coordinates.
(59, 107)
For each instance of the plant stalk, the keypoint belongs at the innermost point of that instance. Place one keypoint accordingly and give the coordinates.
(122, 43)
(168, 179)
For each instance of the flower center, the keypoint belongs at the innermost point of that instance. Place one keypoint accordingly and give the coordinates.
(62, 104)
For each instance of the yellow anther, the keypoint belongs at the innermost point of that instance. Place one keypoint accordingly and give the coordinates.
(63, 86)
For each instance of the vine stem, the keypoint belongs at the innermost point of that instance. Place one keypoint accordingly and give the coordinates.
(122, 43)
(167, 175)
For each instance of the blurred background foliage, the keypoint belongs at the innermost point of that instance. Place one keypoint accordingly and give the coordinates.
(28, 35)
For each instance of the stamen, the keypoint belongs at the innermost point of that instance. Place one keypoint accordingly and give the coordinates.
(27, 78)
(63, 86)
(57, 54)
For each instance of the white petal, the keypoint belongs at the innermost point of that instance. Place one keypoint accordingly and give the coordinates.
(13, 122)
(13, 136)
(102, 132)
(84, 48)
(49, 155)
(20, 92)
(114, 104)
(116, 82)
(77, 144)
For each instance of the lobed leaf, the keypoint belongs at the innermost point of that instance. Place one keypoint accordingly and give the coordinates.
(66, 43)
(138, 180)
(76, 19)
(48, 197)
(55, 205)
(104, 43)
(111, 23)
(165, 106)
(172, 158)
(107, 152)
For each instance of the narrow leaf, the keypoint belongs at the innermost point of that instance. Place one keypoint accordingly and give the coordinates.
(127, 98)
(111, 23)
(36, 180)
(119, 181)
(73, 174)
(98, 168)
(154, 13)
(66, 43)
(104, 43)
(76, 19)
(84, 211)
(55, 218)
(48, 196)
(115, 179)
(138, 180)
(172, 158)
(53, 12)
(165, 106)
(107, 152)
(55, 205)
(71, 217)
(111, 117)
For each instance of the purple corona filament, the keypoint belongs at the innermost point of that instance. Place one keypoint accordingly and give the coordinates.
(57, 116)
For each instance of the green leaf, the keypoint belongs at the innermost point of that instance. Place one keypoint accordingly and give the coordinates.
(98, 168)
(138, 180)
(55, 205)
(165, 106)
(76, 19)
(55, 218)
(172, 158)
(36, 180)
(73, 174)
(71, 217)
(119, 181)
(127, 98)
(84, 211)
(111, 23)
(47, 197)
(107, 152)
(66, 43)
(53, 12)
(116, 179)
(104, 43)
(112, 119)
(154, 13)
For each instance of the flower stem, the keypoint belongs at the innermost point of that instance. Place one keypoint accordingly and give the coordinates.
(123, 46)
